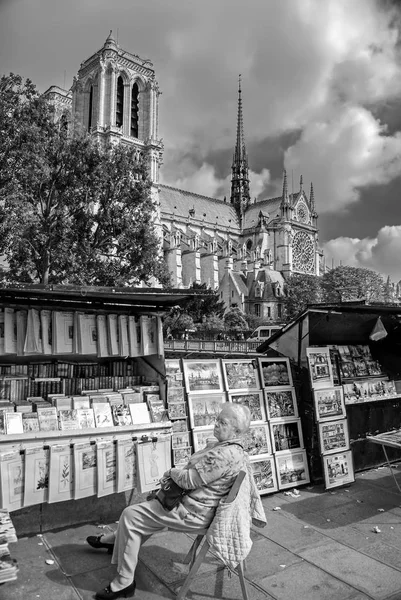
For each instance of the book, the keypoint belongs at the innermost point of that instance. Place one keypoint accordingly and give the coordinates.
(47, 331)
(10, 331)
(112, 334)
(123, 341)
(86, 418)
(68, 419)
(2, 422)
(63, 332)
(121, 414)
(63, 403)
(139, 413)
(2, 340)
(131, 397)
(80, 402)
(30, 422)
(134, 336)
(13, 423)
(87, 334)
(33, 339)
(115, 399)
(23, 406)
(149, 335)
(102, 412)
(48, 419)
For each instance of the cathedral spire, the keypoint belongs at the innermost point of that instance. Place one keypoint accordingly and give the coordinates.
(312, 198)
(240, 196)
(301, 184)
(285, 197)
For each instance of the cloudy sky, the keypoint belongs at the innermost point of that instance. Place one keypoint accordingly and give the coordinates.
(321, 91)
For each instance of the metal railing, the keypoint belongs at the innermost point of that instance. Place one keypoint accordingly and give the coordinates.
(212, 346)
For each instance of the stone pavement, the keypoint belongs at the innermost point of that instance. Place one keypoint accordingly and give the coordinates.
(317, 546)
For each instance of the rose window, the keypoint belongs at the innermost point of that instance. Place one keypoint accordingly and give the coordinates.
(303, 253)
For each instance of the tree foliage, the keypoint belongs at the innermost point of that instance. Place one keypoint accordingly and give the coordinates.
(70, 211)
(301, 290)
(234, 319)
(205, 304)
(352, 283)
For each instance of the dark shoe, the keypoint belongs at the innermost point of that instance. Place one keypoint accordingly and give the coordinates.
(108, 594)
(94, 541)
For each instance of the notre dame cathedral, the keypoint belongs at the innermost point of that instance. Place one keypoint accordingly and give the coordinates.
(242, 248)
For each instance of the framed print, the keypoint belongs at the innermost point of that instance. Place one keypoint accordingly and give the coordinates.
(281, 403)
(240, 374)
(180, 440)
(292, 469)
(264, 474)
(203, 376)
(320, 370)
(257, 440)
(181, 455)
(338, 469)
(286, 436)
(85, 470)
(175, 394)
(154, 459)
(275, 372)
(203, 410)
(201, 438)
(179, 425)
(329, 404)
(176, 410)
(333, 436)
(254, 401)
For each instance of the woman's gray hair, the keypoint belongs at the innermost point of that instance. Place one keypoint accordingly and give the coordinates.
(241, 416)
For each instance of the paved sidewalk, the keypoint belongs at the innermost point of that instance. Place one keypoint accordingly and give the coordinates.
(317, 546)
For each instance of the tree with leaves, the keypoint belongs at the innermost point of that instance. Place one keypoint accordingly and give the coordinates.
(234, 319)
(70, 211)
(204, 304)
(301, 290)
(345, 283)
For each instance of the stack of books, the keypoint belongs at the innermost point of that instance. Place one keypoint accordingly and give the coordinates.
(8, 565)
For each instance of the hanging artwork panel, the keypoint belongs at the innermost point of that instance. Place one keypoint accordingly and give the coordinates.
(338, 469)
(106, 468)
(60, 473)
(36, 486)
(203, 410)
(126, 464)
(154, 459)
(85, 470)
(329, 404)
(12, 475)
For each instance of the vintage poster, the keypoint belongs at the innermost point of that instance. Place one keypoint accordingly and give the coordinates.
(12, 475)
(264, 474)
(292, 469)
(320, 369)
(329, 404)
(275, 372)
(338, 469)
(241, 374)
(203, 376)
(36, 475)
(203, 410)
(106, 468)
(60, 473)
(254, 401)
(281, 403)
(126, 465)
(85, 470)
(154, 459)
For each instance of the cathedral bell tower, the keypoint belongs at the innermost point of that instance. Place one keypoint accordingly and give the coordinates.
(116, 98)
(240, 196)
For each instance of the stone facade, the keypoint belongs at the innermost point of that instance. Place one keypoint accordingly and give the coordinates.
(241, 248)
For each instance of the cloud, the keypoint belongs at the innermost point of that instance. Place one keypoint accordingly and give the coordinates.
(380, 253)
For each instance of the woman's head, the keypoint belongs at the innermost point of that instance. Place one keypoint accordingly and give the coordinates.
(233, 421)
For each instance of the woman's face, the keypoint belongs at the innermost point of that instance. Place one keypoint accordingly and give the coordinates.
(224, 428)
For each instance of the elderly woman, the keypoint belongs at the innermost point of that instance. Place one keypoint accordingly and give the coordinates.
(208, 477)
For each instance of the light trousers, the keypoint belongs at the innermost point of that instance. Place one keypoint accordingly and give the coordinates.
(139, 521)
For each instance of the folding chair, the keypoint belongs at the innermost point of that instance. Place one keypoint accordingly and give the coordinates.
(196, 560)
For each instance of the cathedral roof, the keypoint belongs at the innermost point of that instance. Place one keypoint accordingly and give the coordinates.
(204, 210)
(269, 205)
(240, 281)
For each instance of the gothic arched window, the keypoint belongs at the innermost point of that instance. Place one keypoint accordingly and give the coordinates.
(120, 102)
(134, 110)
(90, 108)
